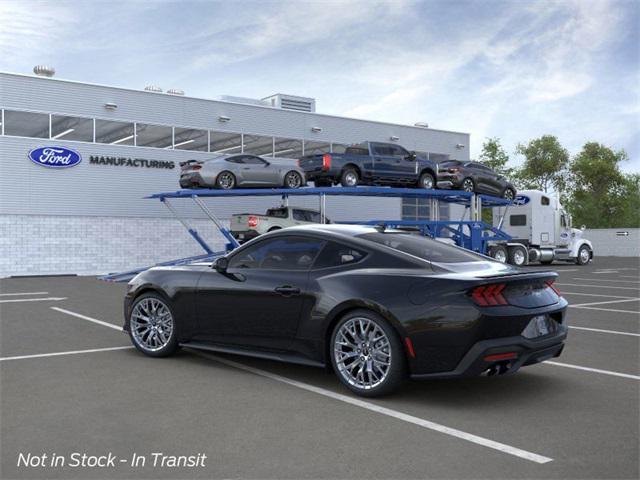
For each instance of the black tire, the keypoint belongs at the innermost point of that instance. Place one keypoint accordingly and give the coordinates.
(508, 194)
(349, 177)
(518, 256)
(499, 253)
(171, 346)
(397, 370)
(468, 185)
(584, 255)
(222, 183)
(427, 181)
(293, 180)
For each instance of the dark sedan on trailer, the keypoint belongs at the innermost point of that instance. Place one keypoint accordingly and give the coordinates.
(375, 305)
(474, 177)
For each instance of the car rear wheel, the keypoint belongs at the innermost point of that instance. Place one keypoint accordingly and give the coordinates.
(226, 180)
(468, 185)
(367, 354)
(349, 178)
(152, 326)
(509, 194)
(426, 181)
(293, 179)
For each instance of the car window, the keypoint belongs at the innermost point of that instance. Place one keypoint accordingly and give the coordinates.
(282, 253)
(300, 215)
(380, 149)
(237, 159)
(313, 216)
(544, 200)
(252, 160)
(335, 254)
(277, 212)
(422, 247)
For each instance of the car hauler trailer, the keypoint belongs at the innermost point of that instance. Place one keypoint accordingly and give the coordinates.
(540, 230)
(472, 234)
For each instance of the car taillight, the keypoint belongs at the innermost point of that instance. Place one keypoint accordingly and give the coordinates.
(253, 221)
(196, 167)
(326, 161)
(299, 163)
(553, 287)
(489, 295)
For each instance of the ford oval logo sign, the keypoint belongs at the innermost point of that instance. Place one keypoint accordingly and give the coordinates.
(521, 200)
(55, 157)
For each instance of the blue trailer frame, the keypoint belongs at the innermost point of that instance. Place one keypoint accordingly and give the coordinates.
(472, 234)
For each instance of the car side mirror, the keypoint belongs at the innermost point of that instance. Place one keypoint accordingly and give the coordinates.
(221, 264)
(411, 156)
(583, 227)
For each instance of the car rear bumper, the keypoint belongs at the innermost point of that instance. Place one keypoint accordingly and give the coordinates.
(449, 180)
(527, 352)
(192, 180)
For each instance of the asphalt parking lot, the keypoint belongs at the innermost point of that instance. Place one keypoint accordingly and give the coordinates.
(70, 382)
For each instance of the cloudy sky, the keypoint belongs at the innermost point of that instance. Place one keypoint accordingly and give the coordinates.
(514, 70)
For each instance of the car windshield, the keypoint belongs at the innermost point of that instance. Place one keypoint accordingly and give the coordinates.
(422, 247)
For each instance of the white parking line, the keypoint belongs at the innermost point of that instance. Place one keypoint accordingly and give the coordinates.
(89, 319)
(57, 354)
(598, 286)
(603, 303)
(628, 276)
(23, 293)
(569, 270)
(47, 299)
(607, 309)
(599, 330)
(604, 280)
(485, 442)
(604, 272)
(593, 294)
(595, 370)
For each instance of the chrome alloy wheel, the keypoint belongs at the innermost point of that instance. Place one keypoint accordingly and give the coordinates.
(427, 182)
(584, 255)
(226, 181)
(508, 194)
(519, 257)
(151, 324)
(293, 180)
(500, 255)
(467, 185)
(362, 353)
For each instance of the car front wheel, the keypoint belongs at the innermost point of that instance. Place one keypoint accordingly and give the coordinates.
(468, 185)
(152, 326)
(367, 354)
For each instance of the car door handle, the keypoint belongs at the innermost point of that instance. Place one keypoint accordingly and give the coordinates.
(287, 290)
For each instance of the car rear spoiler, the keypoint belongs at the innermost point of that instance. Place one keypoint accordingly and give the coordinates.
(188, 162)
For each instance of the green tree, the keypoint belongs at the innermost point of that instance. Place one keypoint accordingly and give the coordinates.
(545, 164)
(600, 195)
(494, 156)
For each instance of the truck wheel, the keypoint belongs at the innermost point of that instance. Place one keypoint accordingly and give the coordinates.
(426, 181)
(468, 185)
(584, 255)
(499, 253)
(349, 178)
(517, 256)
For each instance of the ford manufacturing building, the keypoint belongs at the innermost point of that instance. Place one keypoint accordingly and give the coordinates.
(93, 218)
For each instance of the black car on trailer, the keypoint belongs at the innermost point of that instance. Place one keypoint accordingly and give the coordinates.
(474, 177)
(376, 305)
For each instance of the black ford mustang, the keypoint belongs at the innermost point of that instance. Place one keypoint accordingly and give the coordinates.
(375, 305)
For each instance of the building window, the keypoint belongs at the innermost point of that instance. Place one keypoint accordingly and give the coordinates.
(258, 145)
(225, 143)
(313, 148)
(71, 128)
(191, 139)
(287, 148)
(114, 133)
(26, 124)
(157, 136)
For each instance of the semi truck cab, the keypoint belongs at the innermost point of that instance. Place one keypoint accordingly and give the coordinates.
(541, 231)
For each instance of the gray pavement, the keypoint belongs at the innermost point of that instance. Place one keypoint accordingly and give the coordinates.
(254, 425)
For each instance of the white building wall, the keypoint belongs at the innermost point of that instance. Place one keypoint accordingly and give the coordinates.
(612, 242)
